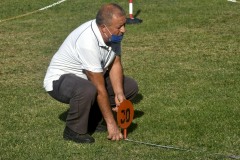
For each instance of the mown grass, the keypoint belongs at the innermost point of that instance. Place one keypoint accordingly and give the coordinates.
(185, 56)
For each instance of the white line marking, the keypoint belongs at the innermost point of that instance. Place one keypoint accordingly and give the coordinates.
(54, 4)
(233, 1)
(41, 9)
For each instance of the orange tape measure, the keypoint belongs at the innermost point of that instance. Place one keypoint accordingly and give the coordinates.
(125, 115)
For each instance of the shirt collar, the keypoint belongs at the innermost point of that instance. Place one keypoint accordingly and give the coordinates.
(98, 35)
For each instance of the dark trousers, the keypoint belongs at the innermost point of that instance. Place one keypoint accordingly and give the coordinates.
(80, 94)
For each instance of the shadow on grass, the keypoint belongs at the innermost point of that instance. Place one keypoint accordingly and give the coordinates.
(137, 99)
(133, 126)
(63, 116)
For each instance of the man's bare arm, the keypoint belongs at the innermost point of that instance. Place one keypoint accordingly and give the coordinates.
(116, 77)
(103, 101)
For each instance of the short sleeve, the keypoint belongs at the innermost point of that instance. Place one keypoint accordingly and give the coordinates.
(90, 59)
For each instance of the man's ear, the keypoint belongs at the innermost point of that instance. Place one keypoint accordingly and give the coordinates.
(103, 28)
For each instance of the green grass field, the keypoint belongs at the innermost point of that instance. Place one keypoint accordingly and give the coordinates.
(185, 56)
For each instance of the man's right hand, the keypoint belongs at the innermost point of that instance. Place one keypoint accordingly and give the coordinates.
(114, 133)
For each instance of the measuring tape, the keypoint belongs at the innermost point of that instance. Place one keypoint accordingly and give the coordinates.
(124, 118)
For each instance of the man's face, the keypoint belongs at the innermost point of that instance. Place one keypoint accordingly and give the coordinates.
(118, 25)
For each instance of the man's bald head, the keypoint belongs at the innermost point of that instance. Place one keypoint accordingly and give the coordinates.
(107, 12)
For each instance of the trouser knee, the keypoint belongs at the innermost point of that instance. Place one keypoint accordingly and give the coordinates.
(87, 93)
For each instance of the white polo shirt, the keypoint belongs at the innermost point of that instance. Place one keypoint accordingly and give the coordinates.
(83, 49)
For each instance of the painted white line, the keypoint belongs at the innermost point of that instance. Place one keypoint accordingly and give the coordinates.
(54, 4)
(233, 1)
(29, 13)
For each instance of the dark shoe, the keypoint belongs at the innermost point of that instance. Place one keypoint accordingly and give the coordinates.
(97, 126)
(101, 128)
(69, 134)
